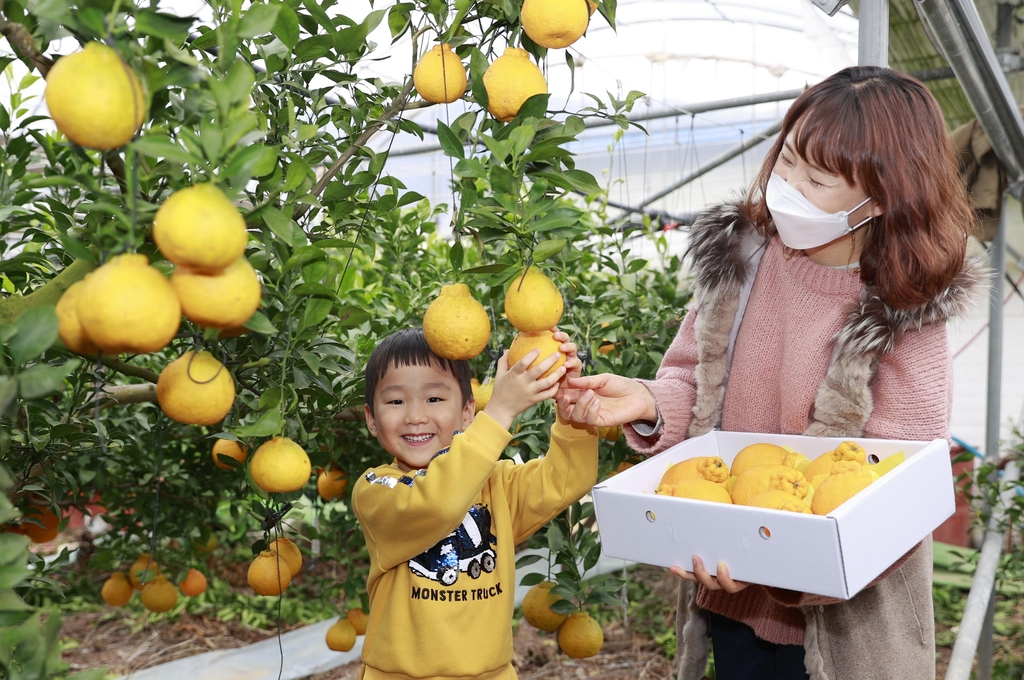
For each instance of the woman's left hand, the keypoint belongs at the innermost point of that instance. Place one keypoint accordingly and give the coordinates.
(700, 575)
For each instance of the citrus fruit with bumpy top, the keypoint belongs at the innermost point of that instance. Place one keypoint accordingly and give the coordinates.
(50, 525)
(194, 583)
(341, 637)
(455, 324)
(711, 468)
(269, 574)
(280, 466)
(200, 228)
(537, 607)
(756, 481)
(70, 328)
(358, 619)
(195, 389)
(580, 636)
(439, 75)
(533, 301)
(331, 484)
(143, 571)
(848, 478)
(523, 343)
(128, 306)
(116, 590)
(766, 454)
(95, 99)
(482, 395)
(696, 489)
(229, 449)
(159, 595)
(224, 300)
(822, 465)
(510, 80)
(780, 500)
(290, 552)
(555, 23)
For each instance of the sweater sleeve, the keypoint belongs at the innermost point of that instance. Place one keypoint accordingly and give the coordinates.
(540, 489)
(674, 389)
(402, 519)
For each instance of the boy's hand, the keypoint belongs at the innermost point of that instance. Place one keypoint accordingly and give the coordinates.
(573, 365)
(519, 387)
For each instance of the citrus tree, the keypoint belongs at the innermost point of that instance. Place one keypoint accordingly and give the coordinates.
(261, 122)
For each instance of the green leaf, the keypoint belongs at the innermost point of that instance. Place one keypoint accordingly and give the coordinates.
(350, 39)
(531, 579)
(449, 141)
(268, 424)
(286, 28)
(555, 538)
(399, 18)
(259, 323)
(313, 48)
(456, 255)
(279, 223)
(534, 107)
(258, 20)
(159, 146)
(562, 606)
(556, 219)
(486, 269)
(319, 15)
(40, 380)
(582, 181)
(521, 138)
(315, 312)
(36, 331)
(547, 249)
(8, 391)
(167, 26)
(76, 248)
(241, 79)
(243, 165)
(527, 560)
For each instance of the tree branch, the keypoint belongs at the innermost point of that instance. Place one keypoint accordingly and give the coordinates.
(47, 294)
(22, 42)
(128, 369)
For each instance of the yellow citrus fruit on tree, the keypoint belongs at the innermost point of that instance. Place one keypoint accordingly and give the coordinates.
(711, 468)
(70, 329)
(439, 75)
(198, 227)
(523, 343)
(766, 454)
(533, 301)
(231, 449)
(117, 590)
(128, 306)
(482, 395)
(358, 619)
(159, 595)
(269, 573)
(280, 466)
(822, 465)
(780, 500)
(209, 546)
(95, 98)
(697, 489)
(555, 23)
(290, 552)
(848, 478)
(455, 324)
(341, 637)
(580, 636)
(510, 80)
(143, 571)
(537, 607)
(195, 389)
(756, 481)
(610, 434)
(194, 583)
(224, 300)
(331, 484)
(50, 525)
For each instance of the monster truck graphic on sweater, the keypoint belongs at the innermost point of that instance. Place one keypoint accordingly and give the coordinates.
(467, 549)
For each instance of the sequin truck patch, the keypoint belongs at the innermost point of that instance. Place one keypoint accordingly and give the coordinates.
(467, 550)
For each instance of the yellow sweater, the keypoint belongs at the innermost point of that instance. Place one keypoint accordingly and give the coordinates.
(442, 549)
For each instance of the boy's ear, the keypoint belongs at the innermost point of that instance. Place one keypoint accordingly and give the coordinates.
(371, 423)
(468, 413)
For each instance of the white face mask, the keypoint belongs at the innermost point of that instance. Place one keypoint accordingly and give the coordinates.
(801, 224)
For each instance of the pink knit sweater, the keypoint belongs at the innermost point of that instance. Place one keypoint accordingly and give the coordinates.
(796, 307)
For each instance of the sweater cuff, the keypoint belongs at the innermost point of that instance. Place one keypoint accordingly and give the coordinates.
(571, 430)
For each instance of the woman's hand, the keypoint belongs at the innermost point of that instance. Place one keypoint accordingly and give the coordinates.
(700, 575)
(605, 400)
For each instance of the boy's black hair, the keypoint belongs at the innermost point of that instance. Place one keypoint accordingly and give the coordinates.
(408, 347)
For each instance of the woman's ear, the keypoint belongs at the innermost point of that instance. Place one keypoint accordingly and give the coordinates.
(371, 422)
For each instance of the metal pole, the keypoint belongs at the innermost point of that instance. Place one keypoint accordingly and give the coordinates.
(873, 33)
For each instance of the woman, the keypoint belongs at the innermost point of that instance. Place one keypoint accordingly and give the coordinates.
(820, 303)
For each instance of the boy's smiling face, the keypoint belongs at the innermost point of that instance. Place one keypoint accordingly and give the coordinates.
(416, 409)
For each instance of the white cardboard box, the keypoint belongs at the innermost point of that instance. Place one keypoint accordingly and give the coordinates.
(834, 555)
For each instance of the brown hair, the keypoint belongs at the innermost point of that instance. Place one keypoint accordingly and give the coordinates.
(884, 131)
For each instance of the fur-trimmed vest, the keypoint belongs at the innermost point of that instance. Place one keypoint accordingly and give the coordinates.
(725, 251)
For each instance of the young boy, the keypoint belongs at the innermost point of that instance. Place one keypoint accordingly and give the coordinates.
(442, 521)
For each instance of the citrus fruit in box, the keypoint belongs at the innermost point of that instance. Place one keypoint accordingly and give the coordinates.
(290, 552)
(269, 573)
(847, 479)
(194, 583)
(780, 500)
(358, 618)
(555, 23)
(710, 468)
(280, 466)
(229, 449)
(580, 636)
(760, 454)
(341, 637)
(331, 484)
(696, 489)
(533, 301)
(439, 75)
(510, 80)
(544, 341)
(455, 324)
(822, 465)
(887, 464)
(199, 228)
(159, 595)
(195, 389)
(756, 481)
(117, 591)
(537, 607)
(94, 98)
